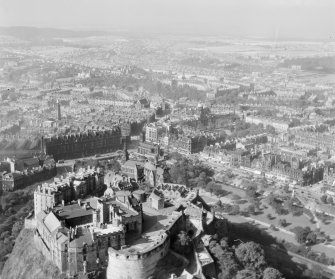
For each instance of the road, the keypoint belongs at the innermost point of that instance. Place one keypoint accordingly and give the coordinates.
(100, 157)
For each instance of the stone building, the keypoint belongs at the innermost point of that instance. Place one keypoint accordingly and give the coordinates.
(24, 174)
(156, 199)
(133, 169)
(329, 174)
(191, 144)
(83, 144)
(76, 235)
(173, 191)
(62, 191)
(148, 149)
(118, 232)
(142, 104)
(151, 133)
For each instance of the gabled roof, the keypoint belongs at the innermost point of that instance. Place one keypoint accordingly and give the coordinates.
(51, 222)
(156, 195)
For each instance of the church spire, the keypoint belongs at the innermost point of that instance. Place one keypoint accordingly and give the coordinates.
(125, 152)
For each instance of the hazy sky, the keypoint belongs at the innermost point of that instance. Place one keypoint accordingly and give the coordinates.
(270, 18)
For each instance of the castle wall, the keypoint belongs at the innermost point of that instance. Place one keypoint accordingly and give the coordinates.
(95, 255)
(135, 266)
(123, 264)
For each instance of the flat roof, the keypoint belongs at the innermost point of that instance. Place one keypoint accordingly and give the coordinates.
(74, 210)
(156, 223)
(124, 210)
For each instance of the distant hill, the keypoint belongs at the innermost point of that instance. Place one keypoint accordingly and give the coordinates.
(35, 33)
(324, 64)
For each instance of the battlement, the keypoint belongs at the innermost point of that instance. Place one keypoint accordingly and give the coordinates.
(130, 255)
(140, 259)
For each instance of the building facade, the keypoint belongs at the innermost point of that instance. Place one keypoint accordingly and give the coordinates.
(83, 144)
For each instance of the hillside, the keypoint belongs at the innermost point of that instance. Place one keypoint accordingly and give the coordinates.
(33, 33)
(26, 262)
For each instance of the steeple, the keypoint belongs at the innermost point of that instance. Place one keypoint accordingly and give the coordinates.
(125, 156)
(59, 116)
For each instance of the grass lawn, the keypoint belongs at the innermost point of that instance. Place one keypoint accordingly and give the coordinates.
(293, 221)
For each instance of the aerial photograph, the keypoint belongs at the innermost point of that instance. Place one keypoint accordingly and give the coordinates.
(167, 139)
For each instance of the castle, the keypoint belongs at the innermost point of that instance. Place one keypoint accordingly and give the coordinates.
(119, 232)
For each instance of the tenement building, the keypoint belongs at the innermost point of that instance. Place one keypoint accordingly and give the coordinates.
(20, 174)
(191, 144)
(83, 144)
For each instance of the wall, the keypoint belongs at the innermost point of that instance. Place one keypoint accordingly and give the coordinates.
(135, 266)
(141, 265)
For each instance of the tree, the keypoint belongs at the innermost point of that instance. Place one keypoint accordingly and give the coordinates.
(270, 129)
(324, 198)
(178, 173)
(251, 191)
(271, 273)
(114, 165)
(301, 234)
(251, 255)
(246, 274)
(224, 243)
(225, 259)
(210, 187)
(292, 207)
(330, 200)
(251, 209)
(183, 243)
(286, 188)
(17, 228)
(311, 238)
(235, 209)
(282, 222)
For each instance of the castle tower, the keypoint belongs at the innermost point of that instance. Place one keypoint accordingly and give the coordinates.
(59, 116)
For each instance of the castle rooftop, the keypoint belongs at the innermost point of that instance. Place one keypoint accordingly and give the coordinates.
(156, 224)
(75, 210)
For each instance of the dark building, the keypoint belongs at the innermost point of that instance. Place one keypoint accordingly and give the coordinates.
(126, 132)
(142, 104)
(83, 144)
(15, 180)
(190, 144)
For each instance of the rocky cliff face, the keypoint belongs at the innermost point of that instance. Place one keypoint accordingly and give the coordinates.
(26, 262)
